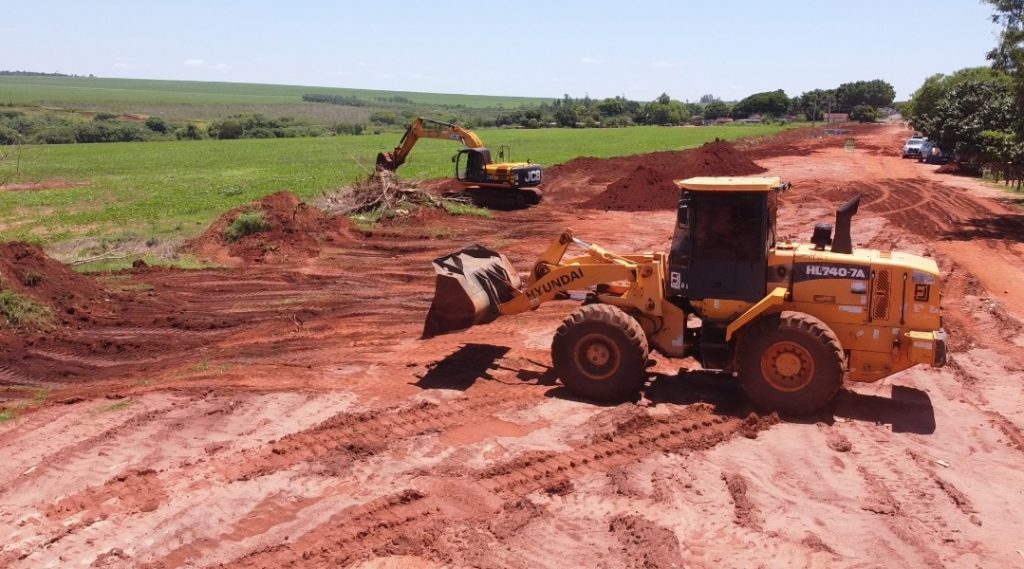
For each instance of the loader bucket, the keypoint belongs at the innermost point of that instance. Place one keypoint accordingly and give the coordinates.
(470, 285)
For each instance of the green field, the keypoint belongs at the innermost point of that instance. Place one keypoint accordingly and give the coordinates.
(157, 190)
(84, 92)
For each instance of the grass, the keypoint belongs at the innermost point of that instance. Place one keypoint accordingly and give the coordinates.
(247, 223)
(159, 190)
(183, 262)
(23, 311)
(117, 406)
(6, 416)
(459, 208)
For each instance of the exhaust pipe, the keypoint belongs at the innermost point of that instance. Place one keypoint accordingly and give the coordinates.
(471, 284)
(843, 242)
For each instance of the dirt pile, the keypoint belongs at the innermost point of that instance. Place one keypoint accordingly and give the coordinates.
(27, 270)
(290, 228)
(650, 186)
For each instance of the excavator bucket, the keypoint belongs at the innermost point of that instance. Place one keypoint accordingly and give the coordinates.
(386, 161)
(470, 286)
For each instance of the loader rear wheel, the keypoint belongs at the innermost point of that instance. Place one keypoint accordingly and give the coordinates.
(791, 362)
(600, 353)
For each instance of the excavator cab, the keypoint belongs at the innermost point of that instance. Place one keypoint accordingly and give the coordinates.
(470, 165)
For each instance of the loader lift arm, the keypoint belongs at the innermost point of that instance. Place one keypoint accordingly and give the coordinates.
(475, 286)
(425, 128)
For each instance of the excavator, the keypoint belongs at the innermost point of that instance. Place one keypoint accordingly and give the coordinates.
(791, 321)
(504, 185)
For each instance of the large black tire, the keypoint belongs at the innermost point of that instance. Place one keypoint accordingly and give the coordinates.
(600, 353)
(790, 362)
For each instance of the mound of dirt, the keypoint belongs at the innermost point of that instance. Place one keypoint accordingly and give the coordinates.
(26, 269)
(293, 229)
(650, 185)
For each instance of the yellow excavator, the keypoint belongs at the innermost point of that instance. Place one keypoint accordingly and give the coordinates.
(791, 321)
(487, 183)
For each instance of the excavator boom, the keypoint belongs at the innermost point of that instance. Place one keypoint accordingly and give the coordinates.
(425, 128)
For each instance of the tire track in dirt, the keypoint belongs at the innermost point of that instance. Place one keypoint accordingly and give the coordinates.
(693, 428)
(127, 493)
(58, 460)
(420, 523)
(349, 437)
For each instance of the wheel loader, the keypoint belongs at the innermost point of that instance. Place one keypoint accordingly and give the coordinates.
(790, 321)
(503, 185)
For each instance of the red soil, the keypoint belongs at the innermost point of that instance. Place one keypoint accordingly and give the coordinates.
(26, 269)
(651, 184)
(285, 415)
(296, 230)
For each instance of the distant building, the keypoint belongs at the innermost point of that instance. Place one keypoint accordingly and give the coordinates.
(837, 117)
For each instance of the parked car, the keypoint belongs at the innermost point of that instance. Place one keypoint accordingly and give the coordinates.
(912, 148)
(931, 154)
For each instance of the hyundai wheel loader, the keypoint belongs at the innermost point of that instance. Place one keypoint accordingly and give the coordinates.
(791, 321)
(504, 185)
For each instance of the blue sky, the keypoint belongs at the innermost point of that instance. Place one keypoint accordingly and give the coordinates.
(531, 48)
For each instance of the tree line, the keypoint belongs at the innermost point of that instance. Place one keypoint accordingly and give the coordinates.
(861, 98)
(978, 112)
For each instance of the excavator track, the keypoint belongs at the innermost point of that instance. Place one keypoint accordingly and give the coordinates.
(499, 198)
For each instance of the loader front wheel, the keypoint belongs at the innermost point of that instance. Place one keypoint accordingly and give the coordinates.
(791, 362)
(600, 353)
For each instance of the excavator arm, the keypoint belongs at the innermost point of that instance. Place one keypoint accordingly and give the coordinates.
(425, 128)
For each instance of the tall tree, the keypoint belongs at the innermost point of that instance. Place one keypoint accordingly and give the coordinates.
(1008, 55)
(771, 103)
(875, 93)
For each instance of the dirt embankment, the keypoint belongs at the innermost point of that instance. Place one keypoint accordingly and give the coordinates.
(650, 186)
(294, 230)
(26, 269)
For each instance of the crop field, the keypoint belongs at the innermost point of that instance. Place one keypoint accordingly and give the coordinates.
(171, 189)
(130, 93)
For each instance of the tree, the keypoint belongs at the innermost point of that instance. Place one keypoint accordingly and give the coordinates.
(936, 89)
(156, 124)
(1008, 55)
(969, 109)
(814, 104)
(771, 103)
(566, 115)
(875, 93)
(716, 110)
(864, 113)
(707, 99)
(664, 110)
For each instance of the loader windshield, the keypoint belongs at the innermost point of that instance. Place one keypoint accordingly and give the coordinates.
(727, 228)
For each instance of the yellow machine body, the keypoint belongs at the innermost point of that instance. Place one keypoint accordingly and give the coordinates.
(874, 312)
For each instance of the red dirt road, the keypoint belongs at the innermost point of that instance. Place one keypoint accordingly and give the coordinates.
(285, 413)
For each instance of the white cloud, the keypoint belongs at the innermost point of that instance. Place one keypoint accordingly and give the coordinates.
(590, 60)
(194, 62)
(122, 66)
(662, 64)
(363, 64)
(384, 76)
(223, 66)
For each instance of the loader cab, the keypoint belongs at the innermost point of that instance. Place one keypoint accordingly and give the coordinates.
(724, 230)
(469, 164)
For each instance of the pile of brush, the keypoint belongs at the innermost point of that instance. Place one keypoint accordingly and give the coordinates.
(382, 191)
